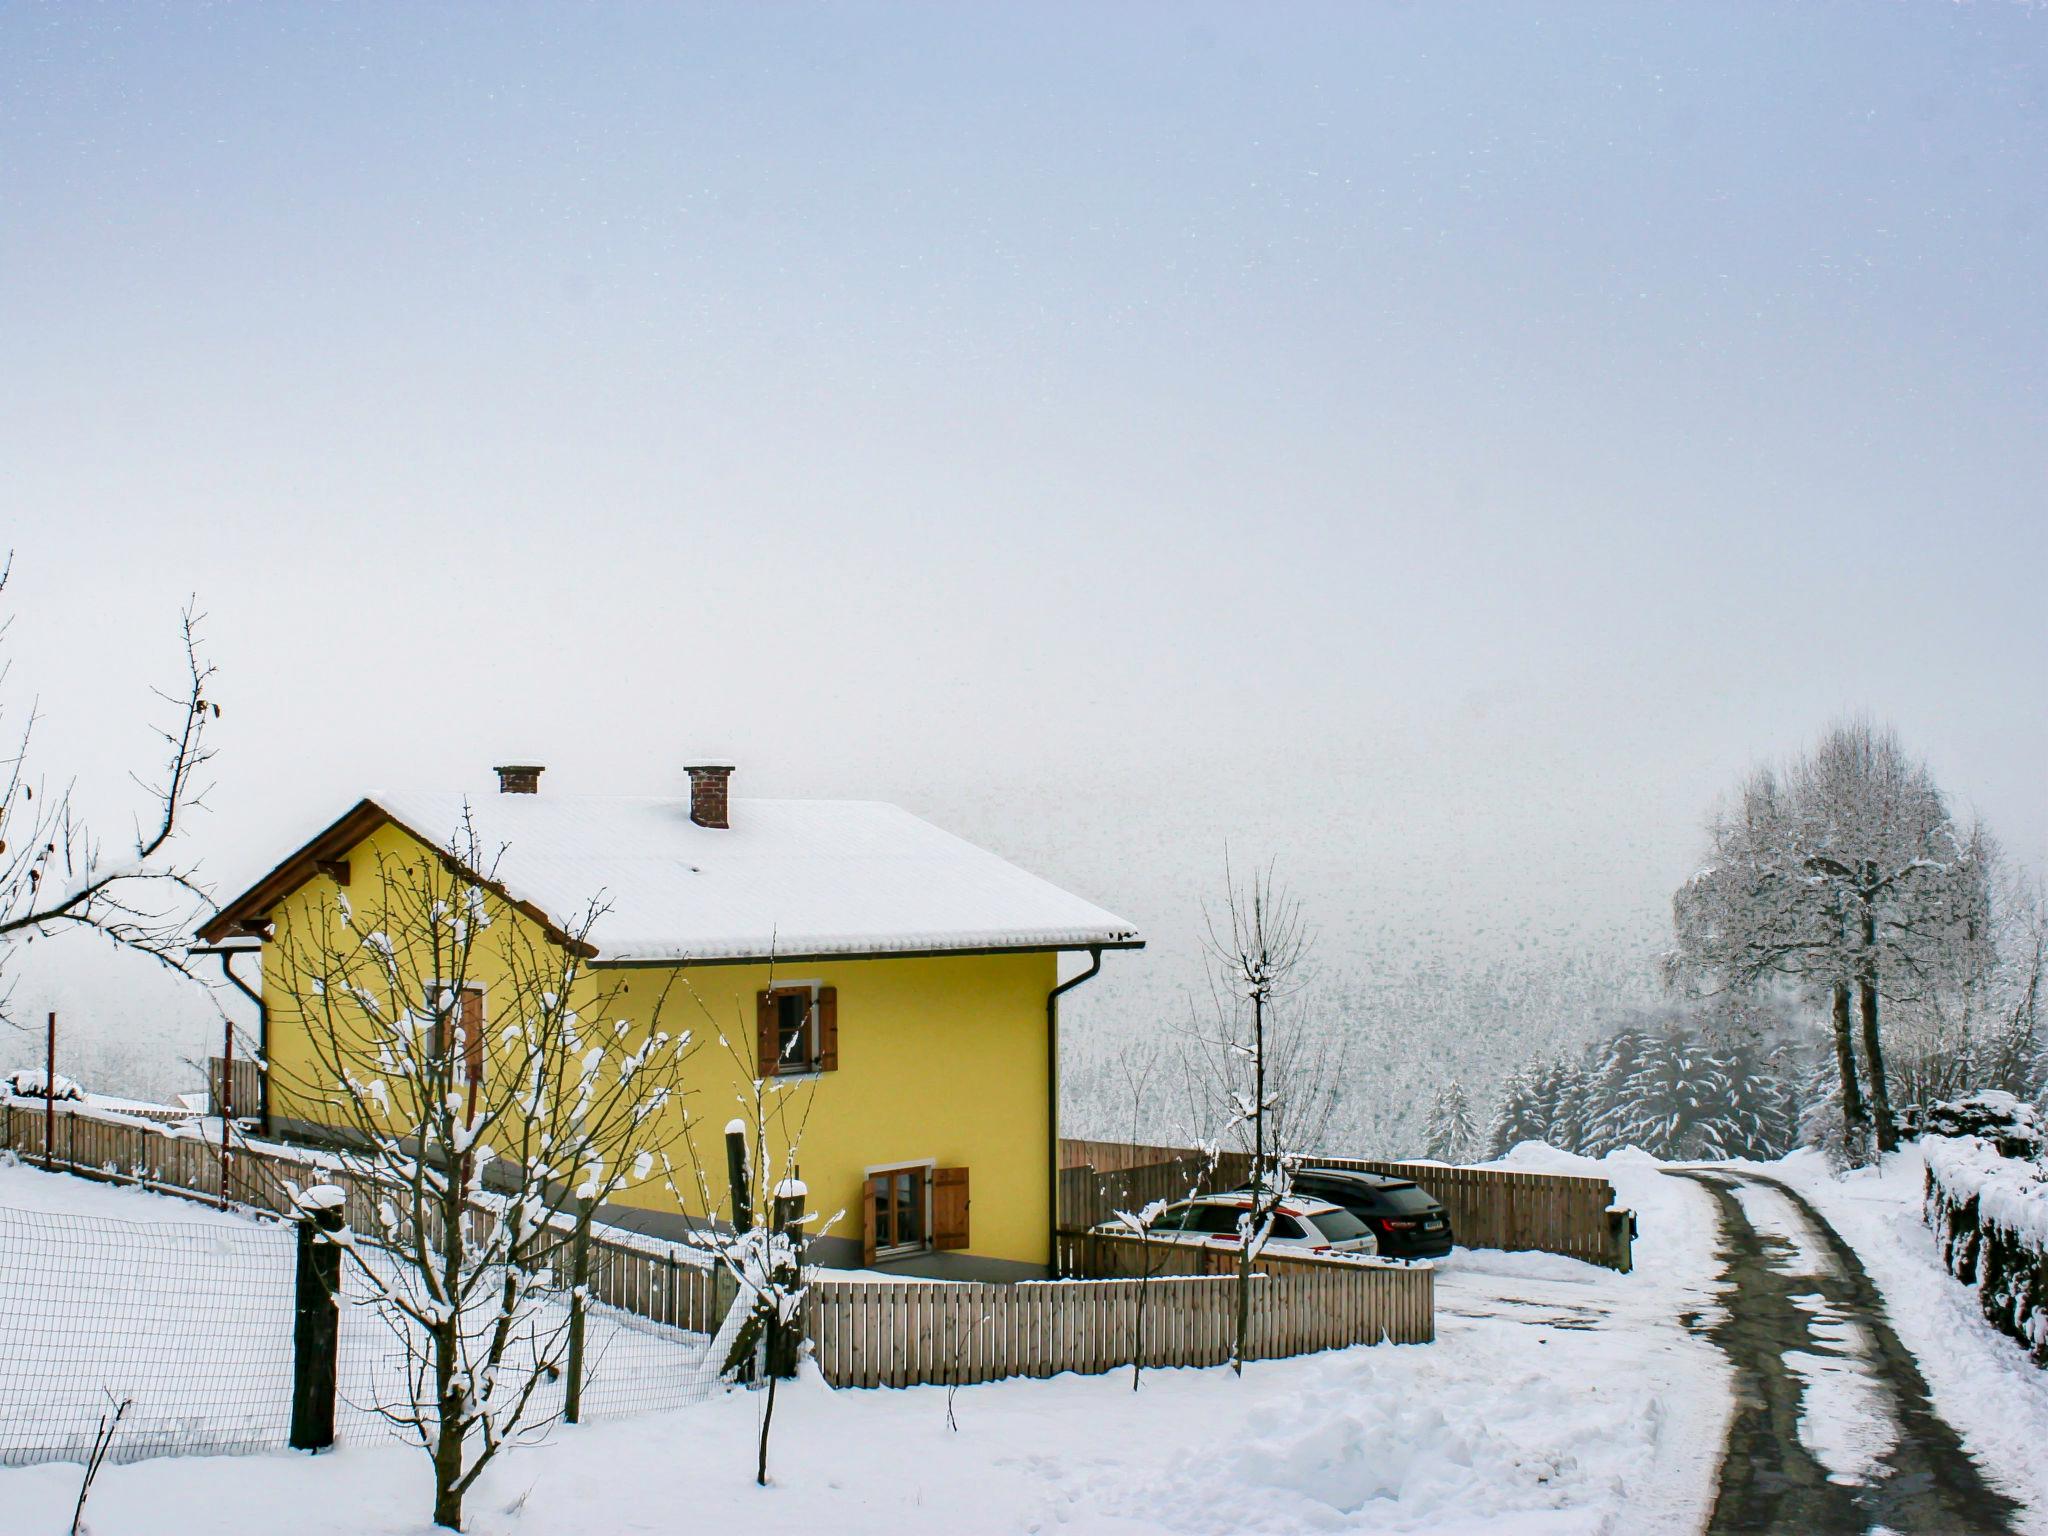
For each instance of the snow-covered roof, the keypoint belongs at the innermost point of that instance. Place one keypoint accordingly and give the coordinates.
(787, 878)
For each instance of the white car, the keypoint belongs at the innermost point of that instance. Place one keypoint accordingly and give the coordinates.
(1301, 1224)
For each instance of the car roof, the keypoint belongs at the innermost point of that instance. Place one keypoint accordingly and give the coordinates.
(1356, 1176)
(1293, 1205)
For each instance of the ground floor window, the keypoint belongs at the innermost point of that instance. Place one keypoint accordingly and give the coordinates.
(914, 1208)
(897, 1200)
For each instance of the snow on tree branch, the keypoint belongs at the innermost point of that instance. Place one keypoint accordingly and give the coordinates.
(56, 870)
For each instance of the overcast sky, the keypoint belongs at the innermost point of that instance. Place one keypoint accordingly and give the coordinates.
(1439, 446)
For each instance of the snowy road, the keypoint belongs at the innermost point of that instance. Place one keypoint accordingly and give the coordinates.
(1833, 1430)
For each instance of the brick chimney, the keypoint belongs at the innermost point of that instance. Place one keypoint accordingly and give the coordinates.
(519, 778)
(709, 783)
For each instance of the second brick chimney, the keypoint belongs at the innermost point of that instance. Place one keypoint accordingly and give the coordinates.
(709, 791)
(519, 778)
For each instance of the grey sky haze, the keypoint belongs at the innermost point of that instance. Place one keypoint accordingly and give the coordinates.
(1437, 446)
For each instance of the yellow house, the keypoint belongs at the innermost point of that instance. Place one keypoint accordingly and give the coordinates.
(909, 977)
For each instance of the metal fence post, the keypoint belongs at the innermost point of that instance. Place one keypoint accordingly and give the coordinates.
(316, 1334)
(579, 1280)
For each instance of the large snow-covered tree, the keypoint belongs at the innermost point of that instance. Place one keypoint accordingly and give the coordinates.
(1844, 875)
(58, 872)
(1520, 1116)
(490, 1091)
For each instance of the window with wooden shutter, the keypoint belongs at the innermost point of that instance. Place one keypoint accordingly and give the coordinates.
(767, 1041)
(828, 1029)
(797, 1029)
(458, 1031)
(470, 1031)
(898, 1202)
(949, 1208)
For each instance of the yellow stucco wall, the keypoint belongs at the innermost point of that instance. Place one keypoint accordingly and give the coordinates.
(940, 1059)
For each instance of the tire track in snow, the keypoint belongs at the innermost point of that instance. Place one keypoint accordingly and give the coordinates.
(1833, 1433)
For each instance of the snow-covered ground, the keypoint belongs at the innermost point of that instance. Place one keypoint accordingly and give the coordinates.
(1982, 1382)
(1559, 1399)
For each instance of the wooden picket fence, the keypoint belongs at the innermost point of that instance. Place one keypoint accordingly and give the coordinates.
(881, 1333)
(1489, 1207)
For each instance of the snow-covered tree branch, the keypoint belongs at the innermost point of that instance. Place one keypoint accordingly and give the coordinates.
(58, 872)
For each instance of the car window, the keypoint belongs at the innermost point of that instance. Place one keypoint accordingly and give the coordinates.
(1338, 1226)
(1212, 1218)
(1170, 1219)
(1407, 1200)
(1287, 1226)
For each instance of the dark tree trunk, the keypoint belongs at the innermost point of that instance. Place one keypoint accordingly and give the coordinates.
(1244, 1256)
(1873, 1055)
(1873, 1050)
(1853, 1120)
(448, 1440)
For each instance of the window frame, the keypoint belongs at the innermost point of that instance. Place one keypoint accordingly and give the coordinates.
(813, 1062)
(924, 1168)
(456, 1048)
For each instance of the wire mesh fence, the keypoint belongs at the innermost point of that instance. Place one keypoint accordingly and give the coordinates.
(191, 1324)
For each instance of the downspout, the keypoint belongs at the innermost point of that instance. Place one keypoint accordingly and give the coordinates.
(1052, 1085)
(227, 969)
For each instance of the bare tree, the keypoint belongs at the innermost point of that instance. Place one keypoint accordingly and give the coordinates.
(56, 871)
(1264, 1069)
(1137, 1223)
(761, 1249)
(491, 1091)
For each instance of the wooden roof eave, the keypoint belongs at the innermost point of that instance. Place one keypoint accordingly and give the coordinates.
(365, 817)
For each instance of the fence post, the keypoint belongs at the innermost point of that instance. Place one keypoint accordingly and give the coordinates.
(579, 1281)
(1621, 1232)
(50, 1099)
(786, 1213)
(316, 1334)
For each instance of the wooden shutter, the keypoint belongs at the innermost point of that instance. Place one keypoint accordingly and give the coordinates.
(949, 1207)
(471, 1032)
(828, 1029)
(768, 1041)
(872, 1196)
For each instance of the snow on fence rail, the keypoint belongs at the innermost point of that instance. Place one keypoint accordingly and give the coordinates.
(1489, 1207)
(1990, 1219)
(886, 1333)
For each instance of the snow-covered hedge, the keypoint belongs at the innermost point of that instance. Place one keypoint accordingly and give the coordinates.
(2009, 1123)
(1990, 1218)
(27, 1083)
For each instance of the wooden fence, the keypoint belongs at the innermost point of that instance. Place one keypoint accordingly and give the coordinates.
(881, 1333)
(1489, 1207)
(244, 1076)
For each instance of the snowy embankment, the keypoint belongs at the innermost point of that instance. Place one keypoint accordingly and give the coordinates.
(1560, 1398)
(1982, 1382)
